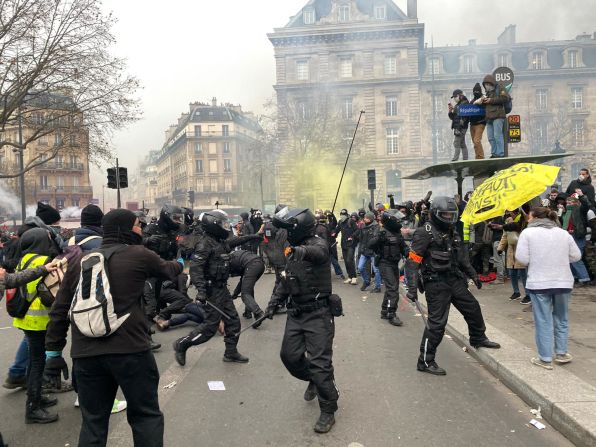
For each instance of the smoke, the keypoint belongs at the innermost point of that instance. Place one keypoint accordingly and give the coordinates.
(8, 200)
(70, 212)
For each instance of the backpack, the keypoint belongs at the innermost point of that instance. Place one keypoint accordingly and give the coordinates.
(508, 106)
(17, 299)
(92, 309)
(49, 286)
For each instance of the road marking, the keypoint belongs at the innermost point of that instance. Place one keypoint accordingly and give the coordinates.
(121, 435)
(4, 328)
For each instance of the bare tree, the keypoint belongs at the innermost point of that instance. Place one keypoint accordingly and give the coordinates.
(58, 78)
(545, 129)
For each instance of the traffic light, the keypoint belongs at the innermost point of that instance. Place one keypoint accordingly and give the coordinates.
(123, 177)
(372, 179)
(191, 196)
(112, 182)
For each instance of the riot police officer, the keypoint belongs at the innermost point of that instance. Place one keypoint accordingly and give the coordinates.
(306, 289)
(250, 267)
(438, 255)
(160, 237)
(209, 273)
(390, 247)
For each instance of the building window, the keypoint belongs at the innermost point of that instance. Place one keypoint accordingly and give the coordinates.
(391, 106)
(390, 65)
(573, 58)
(75, 202)
(302, 70)
(225, 130)
(59, 182)
(75, 182)
(43, 182)
(503, 60)
(434, 65)
(59, 204)
(541, 137)
(59, 161)
(345, 67)
(197, 131)
(199, 166)
(380, 12)
(344, 13)
(74, 161)
(577, 97)
(468, 64)
(212, 148)
(213, 184)
(199, 183)
(438, 103)
(346, 108)
(302, 110)
(308, 16)
(43, 140)
(393, 179)
(227, 165)
(392, 141)
(57, 139)
(226, 147)
(537, 61)
(228, 185)
(198, 148)
(541, 99)
(213, 166)
(578, 133)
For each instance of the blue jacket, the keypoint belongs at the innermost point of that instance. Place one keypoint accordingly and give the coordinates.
(85, 232)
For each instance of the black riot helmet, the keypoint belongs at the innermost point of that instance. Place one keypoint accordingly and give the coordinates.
(391, 219)
(299, 222)
(188, 216)
(216, 223)
(279, 207)
(170, 217)
(444, 212)
(142, 218)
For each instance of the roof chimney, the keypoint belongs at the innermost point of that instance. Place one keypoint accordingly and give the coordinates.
(507, 37)
(413, 9)
(214, 101)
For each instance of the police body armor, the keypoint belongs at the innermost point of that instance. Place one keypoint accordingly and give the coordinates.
(390, 250)
(218, 268)
(442, 255)
(306, 282)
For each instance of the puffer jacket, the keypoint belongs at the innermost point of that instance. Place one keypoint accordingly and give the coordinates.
(495, 107)
(20, 278)
(84, 233)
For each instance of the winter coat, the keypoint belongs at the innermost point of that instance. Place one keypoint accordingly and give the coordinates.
(586, 187)
(495, 107)
(347, 228)
(509, 243)
(86, 232)
(364, 235)
(459, 123)
(20, 278)
(477, 120)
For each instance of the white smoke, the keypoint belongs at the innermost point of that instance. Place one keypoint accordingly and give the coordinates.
(30, 210)
(71, 212)
(8, 200)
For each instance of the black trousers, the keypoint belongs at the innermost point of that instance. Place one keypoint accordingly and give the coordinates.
(348, 255)
(312, 332)
(390, 276)
(277, 270)
(35, 366)
(246, 286)
(176, 301)
(98, 379)
(439, 297)
(220, 297)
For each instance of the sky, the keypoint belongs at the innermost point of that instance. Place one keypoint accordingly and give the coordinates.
(184, 51)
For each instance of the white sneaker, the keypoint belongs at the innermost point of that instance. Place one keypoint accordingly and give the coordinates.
(563, 358)
(354, 282)
(347, 281)
(76, 404)
(119, 405)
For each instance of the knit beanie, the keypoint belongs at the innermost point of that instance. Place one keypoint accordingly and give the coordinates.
(47, 214)
(91, 215)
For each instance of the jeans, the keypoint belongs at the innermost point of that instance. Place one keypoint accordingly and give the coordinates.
(336, 266)
(99, 377)
(364, 272)
(37, 362)
(579, 268)
(192, 312)
(494, 131)
(516, 275)
(499, 261)
(19, 367)
(551, 321)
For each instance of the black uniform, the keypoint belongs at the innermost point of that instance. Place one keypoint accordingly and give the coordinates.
(250, 268)
(310, 326)
(209, 273)
(444, 267)
(389, 247)
(174, 294)
(348, 227)
(274, 242)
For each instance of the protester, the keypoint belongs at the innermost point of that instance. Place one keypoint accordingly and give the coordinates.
(124, 359)
(347, 227)
(363, 236)
(494, 101)
(516, 269)
(583, 183)
(459, 124)
(574, 222)
(89, 236)
(549, 284)
(477, 125)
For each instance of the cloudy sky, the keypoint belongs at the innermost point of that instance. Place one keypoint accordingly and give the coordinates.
(184, 51)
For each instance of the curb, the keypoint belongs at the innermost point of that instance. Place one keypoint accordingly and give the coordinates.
(567, 402)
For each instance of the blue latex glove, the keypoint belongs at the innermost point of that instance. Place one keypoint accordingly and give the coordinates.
(53, 354)
(181, 261)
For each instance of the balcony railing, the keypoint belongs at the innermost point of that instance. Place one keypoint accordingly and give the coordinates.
(66, 189)
(61, 166)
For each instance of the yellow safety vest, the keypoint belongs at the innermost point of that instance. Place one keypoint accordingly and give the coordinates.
(466, 235)
(37, 317)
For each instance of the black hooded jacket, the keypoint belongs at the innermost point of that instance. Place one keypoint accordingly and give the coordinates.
(586, 187)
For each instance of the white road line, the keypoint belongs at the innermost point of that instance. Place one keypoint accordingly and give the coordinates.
(4, 328)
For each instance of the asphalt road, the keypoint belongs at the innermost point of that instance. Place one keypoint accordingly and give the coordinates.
(384, 401)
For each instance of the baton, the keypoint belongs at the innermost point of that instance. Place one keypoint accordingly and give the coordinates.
(419, 307)
(225, 315)
(251, 325)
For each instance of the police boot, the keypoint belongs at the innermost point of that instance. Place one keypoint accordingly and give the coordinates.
(154, 345)
(384, 314)
(47, 401)
(247, 314)
(180, 347)
(37, 415)
(325, 422)
(234, 357)
(311, 392)
(431, 368)
(487, 344)
(394, 319)
(258, 316)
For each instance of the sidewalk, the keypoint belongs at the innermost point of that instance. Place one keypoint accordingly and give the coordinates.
(566, 395)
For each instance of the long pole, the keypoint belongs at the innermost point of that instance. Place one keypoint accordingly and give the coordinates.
(117, 185)
(21, 155)
(346, 163)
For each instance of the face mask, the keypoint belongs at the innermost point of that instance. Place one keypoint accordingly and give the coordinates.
(581, 177)
(455, 100)
(136, 239)
(489, 87)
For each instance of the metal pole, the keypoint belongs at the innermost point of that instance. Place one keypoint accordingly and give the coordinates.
(103, 197)
(372, 197)
(22, 167)
(434, 110)
(117, 185)
(346, 163)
